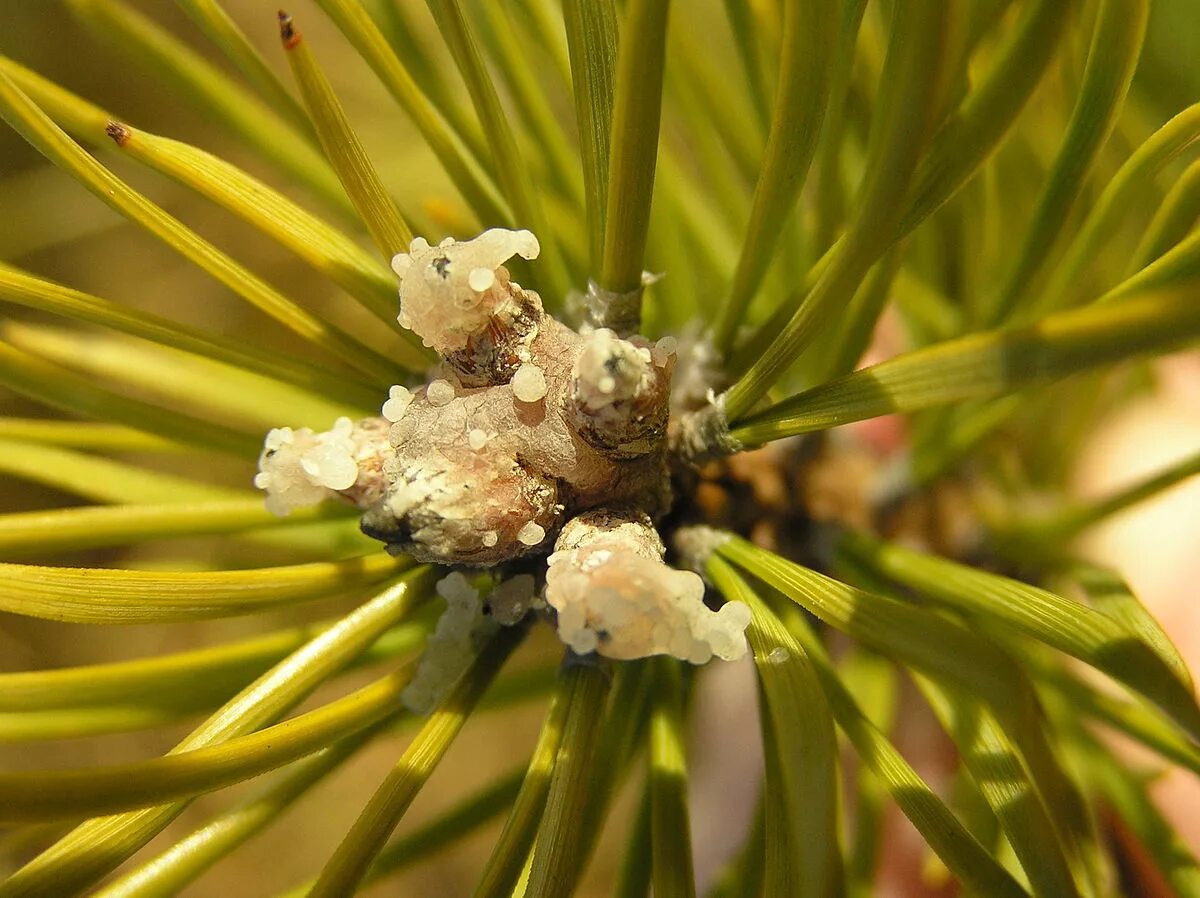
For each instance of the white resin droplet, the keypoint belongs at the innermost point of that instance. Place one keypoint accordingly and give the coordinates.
(299, 467)
(531, 534)
(397, 403)
(446, 294)
(490, 538)
(440, 393)
(529, 383)
(477, 439)
(481, 279)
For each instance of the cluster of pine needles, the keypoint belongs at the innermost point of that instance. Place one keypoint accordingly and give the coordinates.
(985, 178)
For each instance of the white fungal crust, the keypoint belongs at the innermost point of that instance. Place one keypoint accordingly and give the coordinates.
(620, 391)
(450, 292)
(615, 596)
(453, 645)
(486, 474)
(696, 544)
(299, 468)
(462, 507)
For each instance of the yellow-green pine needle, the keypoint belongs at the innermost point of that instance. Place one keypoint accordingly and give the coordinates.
(871, 685)
(633, 879)
(174, 869)
(830, 190)
(37, 379)
(471, 813)
(49, 139)
(1073, 519)
(512, 172)
(71, 529)
(516, 840)
(801, 96)
(222, 99)
(958, 149)
(191, 678)
(592, 37)
(622, 736)
(1176, 217)
(987, 364)
(1085, 633)
(162, 705)
(1132, 182)
(998, 769)
(637, 110)
(324, 248)
(349, 864)
(210, 16)
(1181, 264)
(409, 44)
(96, 847)
(84, 435)
(93, 791)
(750, 53)
(670, 835)
(344, 150)
(193, 385)
(723, 99)
(529, 95)
(464, 169)
(908, 97)
(25, 289)
(855, 331)
(559, 855)
(1127, 792)
(802, 853)
(102, 479)
(112, 596)
(1135, 719)
(1109, 593)
(1112, 58)
(986, 115)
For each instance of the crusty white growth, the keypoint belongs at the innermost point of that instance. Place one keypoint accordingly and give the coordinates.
(621, 312)
(697, 371)
(700, 435)
(300, 467)
(695, 545)
(451, 647)
(610, 370)
(615, 596)
(620, 392)
(457, 505)
(529, 383)
(449, 292)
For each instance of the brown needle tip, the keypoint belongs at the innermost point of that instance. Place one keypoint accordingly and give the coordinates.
(118, 132)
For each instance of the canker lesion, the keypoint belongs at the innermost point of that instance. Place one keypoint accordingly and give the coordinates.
(527, 434)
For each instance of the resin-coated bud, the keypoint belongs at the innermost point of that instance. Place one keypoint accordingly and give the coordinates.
(620, 392)
(459, 299)
(614, 595)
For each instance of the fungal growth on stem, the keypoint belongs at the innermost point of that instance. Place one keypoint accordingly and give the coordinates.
(528, 437)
